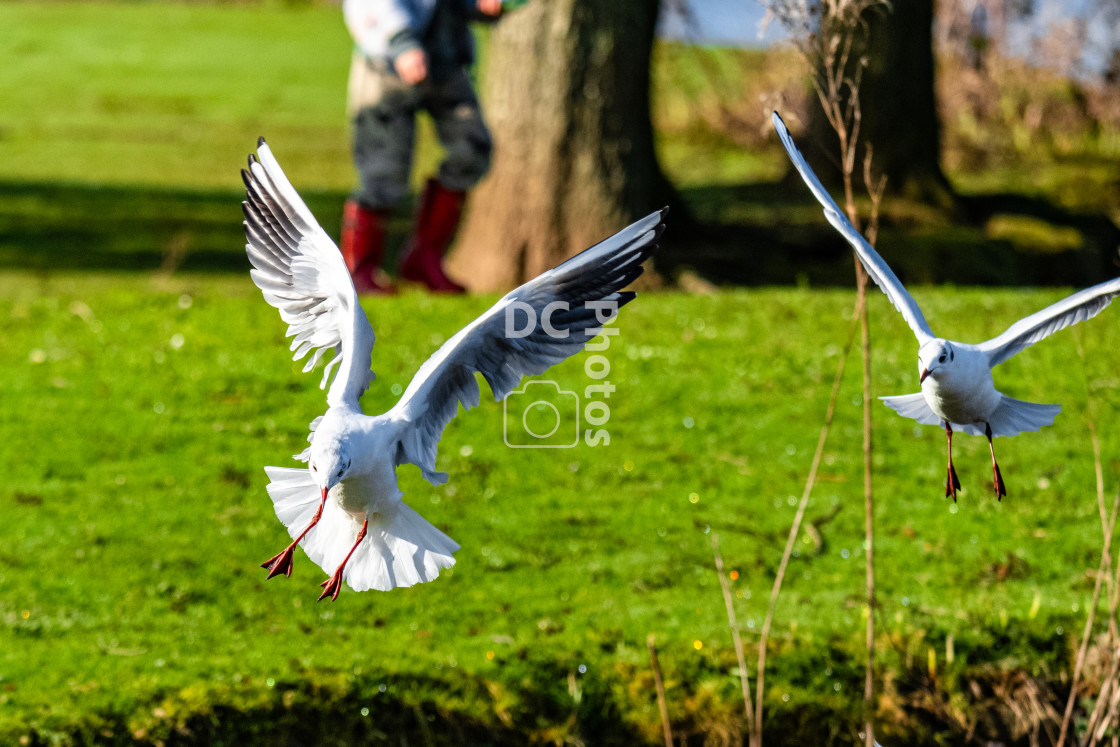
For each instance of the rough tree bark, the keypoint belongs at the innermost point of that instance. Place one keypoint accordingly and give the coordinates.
(567, 101)
(899, 105)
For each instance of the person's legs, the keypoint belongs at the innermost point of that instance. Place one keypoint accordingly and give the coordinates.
(462, 131)
(383, 132)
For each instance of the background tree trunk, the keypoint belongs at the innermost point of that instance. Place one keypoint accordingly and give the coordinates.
(567, 100)
(898, 100)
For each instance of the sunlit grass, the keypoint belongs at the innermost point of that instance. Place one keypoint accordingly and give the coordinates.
(138, 415)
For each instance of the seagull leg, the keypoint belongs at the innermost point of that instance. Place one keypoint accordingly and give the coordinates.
(997, 478)
(333, 585)
(282, 561)
(952, 482)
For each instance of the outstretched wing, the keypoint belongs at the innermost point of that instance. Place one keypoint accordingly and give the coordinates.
(302, 273)
(532, 328)
(879, 270)
(1070, 310)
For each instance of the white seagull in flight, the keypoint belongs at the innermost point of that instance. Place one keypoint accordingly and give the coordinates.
(345, 508)
(956, 377)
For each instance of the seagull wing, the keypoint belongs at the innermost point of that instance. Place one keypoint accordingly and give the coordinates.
(1070, 310)
(512, 339)
(301, 272)
(879, 270)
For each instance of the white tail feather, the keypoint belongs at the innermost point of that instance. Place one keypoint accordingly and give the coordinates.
(401, 548)
(1012, 416)
(1016, 416)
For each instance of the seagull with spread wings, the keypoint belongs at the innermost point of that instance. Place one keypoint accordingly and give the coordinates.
(956, 378)
(345, 508)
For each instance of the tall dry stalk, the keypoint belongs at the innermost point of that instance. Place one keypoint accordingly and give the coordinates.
(662, 706)
(1099, 719)
(736, 639)
(775, 592)
(825, 32)
(875, 189)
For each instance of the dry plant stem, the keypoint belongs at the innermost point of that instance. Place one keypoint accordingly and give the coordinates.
(1106, 699)
(725, 587)
(1104, 710)
(661, 706)
(875, 189)
(756, 738)
(868, 498)
(1108, 524)
(1083, 649)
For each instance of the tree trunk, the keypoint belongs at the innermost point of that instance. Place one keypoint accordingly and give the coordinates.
(567, 101)
(898, 102)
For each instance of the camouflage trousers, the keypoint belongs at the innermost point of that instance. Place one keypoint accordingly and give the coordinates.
(383, 116)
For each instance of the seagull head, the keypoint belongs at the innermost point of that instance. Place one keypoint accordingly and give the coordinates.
(329, 463)
(934, 358)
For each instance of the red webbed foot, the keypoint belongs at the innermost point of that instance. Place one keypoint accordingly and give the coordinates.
(952, 483)
(281, 562)
(997, 478)
(333, 585)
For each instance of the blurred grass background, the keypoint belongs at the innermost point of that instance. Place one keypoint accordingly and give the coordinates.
(146, 386)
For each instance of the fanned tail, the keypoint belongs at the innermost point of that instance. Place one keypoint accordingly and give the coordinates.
(1016, 416)
(401, 548)
(1012, 416)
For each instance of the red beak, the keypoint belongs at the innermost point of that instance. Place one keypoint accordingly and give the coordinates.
(324, 495)
(922, 378)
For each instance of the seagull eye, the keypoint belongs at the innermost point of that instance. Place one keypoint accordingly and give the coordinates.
(942, 358)
(314, 468)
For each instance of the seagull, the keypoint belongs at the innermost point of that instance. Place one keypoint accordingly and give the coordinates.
(345, 507)
(956, 378)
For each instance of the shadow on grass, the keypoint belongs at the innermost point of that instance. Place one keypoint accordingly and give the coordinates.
(318, 710)
(51, 226)
(775, 234)
(746, 234)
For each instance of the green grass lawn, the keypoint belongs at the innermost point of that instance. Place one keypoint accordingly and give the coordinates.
(139, 412)
(146, 386)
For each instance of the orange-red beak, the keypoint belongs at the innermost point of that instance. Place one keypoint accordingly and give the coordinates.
(324, 495)
(922, 378)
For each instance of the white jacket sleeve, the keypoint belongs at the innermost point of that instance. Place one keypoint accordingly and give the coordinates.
(374, 23)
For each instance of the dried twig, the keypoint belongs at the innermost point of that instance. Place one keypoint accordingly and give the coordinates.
(876, 192)
(756, 737)
(1108, 524)
(825, 32)
(725, 587)
(661, 705)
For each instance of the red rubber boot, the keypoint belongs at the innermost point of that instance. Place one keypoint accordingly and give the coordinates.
(363, 245)
(436, 221)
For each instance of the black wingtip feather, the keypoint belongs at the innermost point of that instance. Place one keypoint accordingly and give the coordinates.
(625, 297)
(260, 141)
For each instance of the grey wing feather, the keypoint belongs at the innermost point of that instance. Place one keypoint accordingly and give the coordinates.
(301, 272)
(585, 292)
(1022, 334)
(876, 267)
